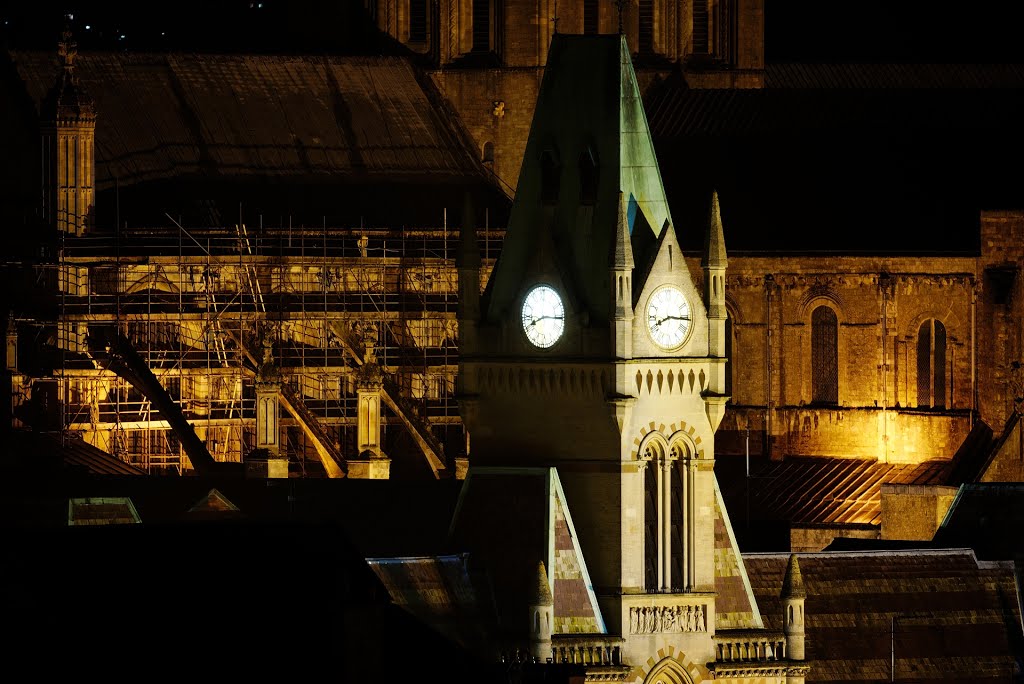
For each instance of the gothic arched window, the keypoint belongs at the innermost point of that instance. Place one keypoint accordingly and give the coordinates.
(824, 356)
(651, 536)
(590, 17)
(417, 21)
(730, 349)
(701, 28)
(645, 17)
(931, 364)
(481, 25)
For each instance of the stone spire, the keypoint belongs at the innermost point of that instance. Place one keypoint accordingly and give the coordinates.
(793, 584)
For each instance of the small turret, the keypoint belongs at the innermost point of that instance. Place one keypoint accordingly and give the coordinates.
(622, 285)
(714, 263)
(793, 595)
(69, 144)
(542, 609)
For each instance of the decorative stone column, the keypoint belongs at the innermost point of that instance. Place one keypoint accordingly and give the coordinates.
(370, 463)
(266, 459)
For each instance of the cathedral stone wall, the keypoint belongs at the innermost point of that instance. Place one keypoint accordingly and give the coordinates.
(890, 315)
(1000, 308)
(496, 107)
(914, 511)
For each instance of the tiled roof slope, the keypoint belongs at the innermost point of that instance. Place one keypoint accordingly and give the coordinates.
(181, 114)
(956, 619)
(501, 521)
(440, 592)
(809, 490)
(842, 158)
(508, 520)
(735, 606)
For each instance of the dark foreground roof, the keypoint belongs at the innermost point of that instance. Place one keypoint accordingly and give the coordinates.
(945, 616)
(988, 517)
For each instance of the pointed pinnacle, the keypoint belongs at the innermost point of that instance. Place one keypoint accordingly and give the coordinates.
(793, 584)
(714, 238)
(622, 254)
(543, 595)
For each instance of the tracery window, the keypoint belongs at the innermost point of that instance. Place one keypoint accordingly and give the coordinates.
(824, 356)
(665, 533)
(931, 364)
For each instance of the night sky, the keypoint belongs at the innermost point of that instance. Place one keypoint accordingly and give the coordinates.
(795, 30)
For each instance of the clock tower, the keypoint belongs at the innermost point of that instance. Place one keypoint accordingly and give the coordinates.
(596, 353)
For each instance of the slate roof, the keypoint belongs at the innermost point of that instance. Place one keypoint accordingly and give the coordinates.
(956, 618)
(843, 158)
(816, 489)
(176, 114)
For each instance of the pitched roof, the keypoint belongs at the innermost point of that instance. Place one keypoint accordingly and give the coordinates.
(842, 158)
(510, 519)
(941, 614)
(181, 114)
(818, 489)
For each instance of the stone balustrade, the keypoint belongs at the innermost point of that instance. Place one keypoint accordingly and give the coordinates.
(586, 650)
(753, 646)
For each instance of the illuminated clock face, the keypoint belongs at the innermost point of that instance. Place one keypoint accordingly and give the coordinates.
(668, 317)
(543, 316)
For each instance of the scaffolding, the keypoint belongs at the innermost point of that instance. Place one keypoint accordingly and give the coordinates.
(194, 302)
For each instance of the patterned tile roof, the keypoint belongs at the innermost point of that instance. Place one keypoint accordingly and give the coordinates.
(942, 615)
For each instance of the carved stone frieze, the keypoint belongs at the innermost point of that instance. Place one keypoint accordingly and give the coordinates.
(658, 619)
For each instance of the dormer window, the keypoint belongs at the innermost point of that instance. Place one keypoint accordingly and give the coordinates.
(550, 176)
(588, 175)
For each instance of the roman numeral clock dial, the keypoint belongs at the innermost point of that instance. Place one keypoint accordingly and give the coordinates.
(543, 316)
(668, 317)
